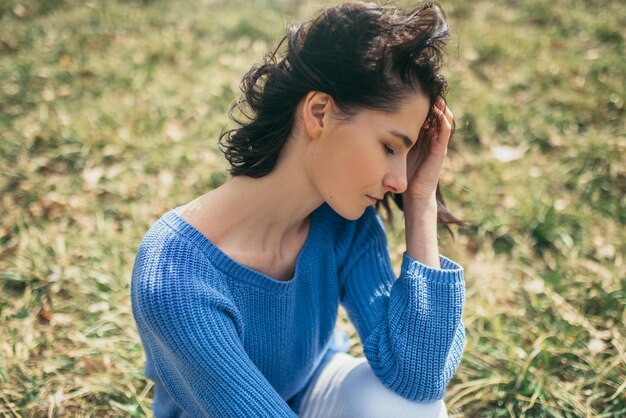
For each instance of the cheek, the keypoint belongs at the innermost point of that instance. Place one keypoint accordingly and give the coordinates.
(363, 164)
(350, 165)
(371, 159)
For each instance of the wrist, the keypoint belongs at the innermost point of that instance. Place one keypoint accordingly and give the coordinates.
(424, 208)
(421, 241)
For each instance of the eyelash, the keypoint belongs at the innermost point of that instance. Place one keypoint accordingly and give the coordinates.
(388, 149)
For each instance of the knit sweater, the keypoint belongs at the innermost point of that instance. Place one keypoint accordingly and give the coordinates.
(224, 340)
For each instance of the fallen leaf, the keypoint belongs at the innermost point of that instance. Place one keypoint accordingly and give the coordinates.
(505, 153)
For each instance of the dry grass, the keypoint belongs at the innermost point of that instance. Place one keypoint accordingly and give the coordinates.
(109, 112)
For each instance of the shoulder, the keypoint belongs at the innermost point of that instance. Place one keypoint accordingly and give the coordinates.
(171, 269)
(167, 249)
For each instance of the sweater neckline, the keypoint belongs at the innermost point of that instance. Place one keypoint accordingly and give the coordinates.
(233, 268)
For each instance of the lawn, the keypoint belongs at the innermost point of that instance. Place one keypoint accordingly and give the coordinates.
(109, 116)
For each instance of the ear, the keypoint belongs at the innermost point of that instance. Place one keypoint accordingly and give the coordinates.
(315, 110)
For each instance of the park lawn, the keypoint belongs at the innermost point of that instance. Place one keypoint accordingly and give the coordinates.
(109, 116)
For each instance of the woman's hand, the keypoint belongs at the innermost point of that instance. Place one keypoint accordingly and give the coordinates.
(419, 200)
(424, 164)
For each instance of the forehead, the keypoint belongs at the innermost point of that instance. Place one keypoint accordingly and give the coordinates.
(406, 119)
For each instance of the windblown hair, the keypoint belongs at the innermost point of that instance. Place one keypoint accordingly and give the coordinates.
(364, 55)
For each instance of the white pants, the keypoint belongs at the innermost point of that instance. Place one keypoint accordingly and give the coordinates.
(346, 387)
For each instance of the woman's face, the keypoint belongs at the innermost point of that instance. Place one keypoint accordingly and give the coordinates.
(362, 158)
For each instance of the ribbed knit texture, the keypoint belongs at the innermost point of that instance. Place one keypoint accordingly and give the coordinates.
(223, 340)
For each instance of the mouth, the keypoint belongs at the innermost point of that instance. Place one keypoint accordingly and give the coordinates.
(372, 199)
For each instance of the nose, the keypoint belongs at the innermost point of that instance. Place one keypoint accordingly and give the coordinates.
(395, 180)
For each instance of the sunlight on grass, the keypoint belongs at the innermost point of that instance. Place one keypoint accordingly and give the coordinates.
(109, 116)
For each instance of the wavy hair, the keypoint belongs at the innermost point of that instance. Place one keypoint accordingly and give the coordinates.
(364, 55)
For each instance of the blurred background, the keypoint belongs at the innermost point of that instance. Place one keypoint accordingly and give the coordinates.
(109, 116)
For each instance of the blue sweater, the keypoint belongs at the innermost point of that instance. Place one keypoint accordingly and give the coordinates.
(223, 340)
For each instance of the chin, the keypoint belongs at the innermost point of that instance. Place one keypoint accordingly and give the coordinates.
(349, 213)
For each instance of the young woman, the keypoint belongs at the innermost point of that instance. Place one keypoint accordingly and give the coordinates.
(236, 293)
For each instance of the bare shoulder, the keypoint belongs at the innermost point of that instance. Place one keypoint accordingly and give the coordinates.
(199, 214)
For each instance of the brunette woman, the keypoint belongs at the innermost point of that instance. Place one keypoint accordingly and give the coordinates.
(236, 293)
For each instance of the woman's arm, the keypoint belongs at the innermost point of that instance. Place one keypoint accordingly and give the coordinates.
(193, 336)
(411, 328)
(419, 199)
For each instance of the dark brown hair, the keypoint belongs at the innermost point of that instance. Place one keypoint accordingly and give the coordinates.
(364, 55)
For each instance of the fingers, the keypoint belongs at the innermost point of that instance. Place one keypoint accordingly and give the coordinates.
(444, 117)
(443, 112)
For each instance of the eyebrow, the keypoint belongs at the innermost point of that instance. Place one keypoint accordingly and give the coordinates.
(407, 141)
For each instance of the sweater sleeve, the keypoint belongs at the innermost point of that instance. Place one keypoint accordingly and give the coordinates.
(411, 328)
(195, 341)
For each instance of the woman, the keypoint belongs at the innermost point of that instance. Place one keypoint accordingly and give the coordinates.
(236, 294)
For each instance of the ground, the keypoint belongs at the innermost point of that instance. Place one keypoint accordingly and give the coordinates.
(109, 116)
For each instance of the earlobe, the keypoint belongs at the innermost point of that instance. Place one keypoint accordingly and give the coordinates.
(314, 111)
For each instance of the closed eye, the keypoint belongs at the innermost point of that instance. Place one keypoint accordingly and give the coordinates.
(388, 149)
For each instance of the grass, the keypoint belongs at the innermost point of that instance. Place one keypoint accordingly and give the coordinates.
(109, 114)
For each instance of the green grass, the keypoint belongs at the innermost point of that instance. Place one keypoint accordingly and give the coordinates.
(109, 115)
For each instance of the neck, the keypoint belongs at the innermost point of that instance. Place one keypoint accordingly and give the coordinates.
(261, 214)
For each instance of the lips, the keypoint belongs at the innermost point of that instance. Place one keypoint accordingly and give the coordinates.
(373, 199)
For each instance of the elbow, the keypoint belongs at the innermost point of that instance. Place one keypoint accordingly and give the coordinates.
(422, 384)
(431, 387)
(426, 379)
